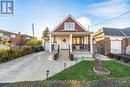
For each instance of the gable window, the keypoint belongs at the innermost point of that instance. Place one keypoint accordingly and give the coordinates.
(69, 25)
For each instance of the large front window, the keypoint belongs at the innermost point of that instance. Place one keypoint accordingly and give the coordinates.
(69, 25)
(77, 40)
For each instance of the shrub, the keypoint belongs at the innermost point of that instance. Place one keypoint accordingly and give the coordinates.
(71, 57)
(13, 53)
(56, 56)
(33, 42)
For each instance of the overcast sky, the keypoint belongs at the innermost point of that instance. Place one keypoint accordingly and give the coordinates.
(49, 13)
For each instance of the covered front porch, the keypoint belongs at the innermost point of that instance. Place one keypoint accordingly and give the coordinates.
(72, 41)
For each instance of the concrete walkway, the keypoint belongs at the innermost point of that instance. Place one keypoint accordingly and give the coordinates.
(31, 67)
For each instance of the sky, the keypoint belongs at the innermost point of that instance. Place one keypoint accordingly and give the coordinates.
(49, 13)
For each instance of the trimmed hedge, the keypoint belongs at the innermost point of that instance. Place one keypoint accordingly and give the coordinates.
(120, 57)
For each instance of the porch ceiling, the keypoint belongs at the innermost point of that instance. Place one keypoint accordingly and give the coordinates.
(73, 33)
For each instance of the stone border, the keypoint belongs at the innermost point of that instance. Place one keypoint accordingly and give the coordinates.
(101, 73)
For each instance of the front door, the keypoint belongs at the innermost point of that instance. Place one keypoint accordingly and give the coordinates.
(65, 43)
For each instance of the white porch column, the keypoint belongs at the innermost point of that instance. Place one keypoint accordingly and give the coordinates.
(50, 43)
(70, 42)
(91, 43)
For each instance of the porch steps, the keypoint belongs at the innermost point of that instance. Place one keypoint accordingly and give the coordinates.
(64, 55)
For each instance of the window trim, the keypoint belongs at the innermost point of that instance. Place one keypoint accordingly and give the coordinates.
(65, 24)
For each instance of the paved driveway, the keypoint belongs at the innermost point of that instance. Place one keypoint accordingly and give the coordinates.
(31, 67)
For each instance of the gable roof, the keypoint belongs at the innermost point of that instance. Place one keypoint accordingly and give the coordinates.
(66, 19)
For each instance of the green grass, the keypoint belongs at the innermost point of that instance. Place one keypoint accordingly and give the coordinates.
(83, 71)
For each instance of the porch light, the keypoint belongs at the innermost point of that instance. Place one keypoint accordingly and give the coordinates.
(47, 73)
(82, 58)
(76, 60)
(64, 65)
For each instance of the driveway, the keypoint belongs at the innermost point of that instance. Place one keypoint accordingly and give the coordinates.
(31, 67)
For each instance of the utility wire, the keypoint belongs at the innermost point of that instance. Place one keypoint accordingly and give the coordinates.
(112, 18)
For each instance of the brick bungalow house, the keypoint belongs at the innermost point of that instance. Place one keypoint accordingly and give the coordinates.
(71, 36)
(112, 40)
(15, 39)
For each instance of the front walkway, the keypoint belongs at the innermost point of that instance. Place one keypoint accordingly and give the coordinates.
(31, 67)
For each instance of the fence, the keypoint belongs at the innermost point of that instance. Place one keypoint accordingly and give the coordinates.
(105, 50)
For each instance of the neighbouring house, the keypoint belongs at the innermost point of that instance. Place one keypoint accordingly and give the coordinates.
(24, 38)
(8, 36)
(111, 40)
(14, 38)
(70, 36)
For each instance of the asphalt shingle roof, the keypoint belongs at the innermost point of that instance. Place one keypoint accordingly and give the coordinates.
(113, 32)
(126, 31)
(4, 31)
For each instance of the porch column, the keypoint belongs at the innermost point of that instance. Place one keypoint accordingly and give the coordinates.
(50, 43)
(91, 43)
(70, 42)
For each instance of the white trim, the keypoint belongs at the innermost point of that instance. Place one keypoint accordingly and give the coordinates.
(115, 36)
(70, 42)
(50, 41)
(91, 43)
(65, 20)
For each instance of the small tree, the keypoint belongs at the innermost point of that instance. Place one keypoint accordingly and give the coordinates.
(33, 42)
(45, 34)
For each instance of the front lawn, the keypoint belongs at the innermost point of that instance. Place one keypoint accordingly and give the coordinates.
(83, 71)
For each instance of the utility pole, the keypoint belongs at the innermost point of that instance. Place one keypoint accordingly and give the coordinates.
(33, 29)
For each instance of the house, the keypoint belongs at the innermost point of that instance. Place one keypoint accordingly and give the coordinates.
(8, 36)
(14, 39)
(70, 35)
(111, 40)
(24, 38)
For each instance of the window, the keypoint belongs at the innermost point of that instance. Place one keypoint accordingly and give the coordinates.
(1, 34)
(13, 36)
(77, 40)
(69, 25)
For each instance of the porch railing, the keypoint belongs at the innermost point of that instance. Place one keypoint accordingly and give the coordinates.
(55, 47)
(81, 47)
